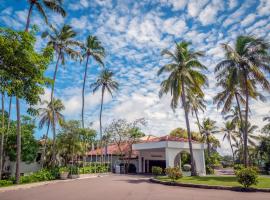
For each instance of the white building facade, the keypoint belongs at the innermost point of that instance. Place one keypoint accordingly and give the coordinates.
(167, 154)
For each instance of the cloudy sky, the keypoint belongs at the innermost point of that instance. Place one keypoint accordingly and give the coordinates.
(133, 34)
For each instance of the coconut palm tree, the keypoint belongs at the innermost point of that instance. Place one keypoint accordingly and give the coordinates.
(208, 128)
(92, 48)
(250, 58)
(41, 5)
(63, 43)
(105, 82)
(185, 75)
(196, 103)
(46, 118)
(266, 127)
(230, 132)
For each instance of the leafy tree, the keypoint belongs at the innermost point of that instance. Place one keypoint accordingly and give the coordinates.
(249, 58)
(92, 48)
(63, 43)
(124, 134)
(54, 5)
(185, 75)
(24, 69)
(45, 114)
(105, 82)
(182, 133)
(29, 144)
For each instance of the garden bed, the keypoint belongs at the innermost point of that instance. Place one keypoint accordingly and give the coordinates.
(214, 182)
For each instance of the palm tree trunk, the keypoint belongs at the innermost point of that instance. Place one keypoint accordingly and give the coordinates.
(198, 121)
(8, 125)
(193, 165)
(245, 136)
(53, 112)
(28, 17)
(2, 135)
(84, 81)
(18, 153)
(100, 120)
(208, 144)
(45, 146)
(232, 149)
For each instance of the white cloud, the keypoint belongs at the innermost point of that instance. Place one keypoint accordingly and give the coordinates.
(209, 14)
(79, 23)
(264, 7)
(195, 7)
(248, 20)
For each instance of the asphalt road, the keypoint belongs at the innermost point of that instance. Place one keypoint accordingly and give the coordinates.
(122, 187)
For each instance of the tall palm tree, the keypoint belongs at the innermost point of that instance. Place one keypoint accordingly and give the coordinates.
(196, 103)
(266, 127)
(46, 119)
(92, 48)
(230, 134)
(250, 58)
(105, 82)
(63, 43)
(184, 76)
(208, 128)
(54, 5)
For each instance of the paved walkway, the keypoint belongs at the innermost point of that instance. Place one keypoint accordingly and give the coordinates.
(122, 187)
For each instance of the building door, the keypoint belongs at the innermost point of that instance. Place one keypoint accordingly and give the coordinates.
(156, 163)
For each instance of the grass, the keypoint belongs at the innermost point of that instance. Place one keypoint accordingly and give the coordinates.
(264, 182)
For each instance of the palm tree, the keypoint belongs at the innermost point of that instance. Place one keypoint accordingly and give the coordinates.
(54, 5)
(184, 76)
(92, 48)
(208, 128)
(230, 134)
(63, 43)
(196, 102)
(46, 119)
(106, 83)
(250, 59)
(266, 127)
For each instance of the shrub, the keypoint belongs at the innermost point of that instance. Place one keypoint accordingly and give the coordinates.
(210, 170)
(5, 183)
(238, 167)
(156, 171)
(173, 173)
(63, 169)
(186, 167)
(41, 175)
(73, 170)
(247, 177)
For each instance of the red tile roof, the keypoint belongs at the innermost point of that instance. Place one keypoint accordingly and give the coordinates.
(114, 149)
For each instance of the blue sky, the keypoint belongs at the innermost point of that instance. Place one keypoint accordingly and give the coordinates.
(134, 33)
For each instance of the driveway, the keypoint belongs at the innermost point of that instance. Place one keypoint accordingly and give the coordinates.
(122, 187)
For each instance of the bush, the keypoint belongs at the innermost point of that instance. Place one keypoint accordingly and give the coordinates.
(238, 167)
(173, 173)
(186, 167)
(247, 177)
(41, 175)
(63, 170)
(5, 183)
(74, 170)
(156, 171)
(209, 170)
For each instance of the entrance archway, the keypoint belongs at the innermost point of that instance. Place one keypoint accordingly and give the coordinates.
(181, 159)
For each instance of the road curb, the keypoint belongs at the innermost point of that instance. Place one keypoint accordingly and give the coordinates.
(43, 183)
(237, 189)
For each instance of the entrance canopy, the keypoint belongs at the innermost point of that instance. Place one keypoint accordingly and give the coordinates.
(163, 151)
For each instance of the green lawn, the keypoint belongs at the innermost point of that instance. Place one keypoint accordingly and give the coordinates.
(264, 182)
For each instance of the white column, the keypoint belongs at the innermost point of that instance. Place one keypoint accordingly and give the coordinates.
(200, 161)
(169, 156)
(139, 170)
